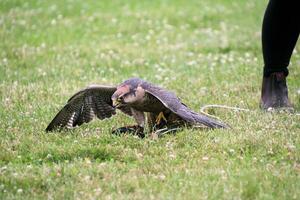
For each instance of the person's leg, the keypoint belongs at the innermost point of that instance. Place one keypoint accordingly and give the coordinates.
(280, 32)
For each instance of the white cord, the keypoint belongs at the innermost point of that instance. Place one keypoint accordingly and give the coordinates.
(222, 106)
(202, 109)
(163, 131)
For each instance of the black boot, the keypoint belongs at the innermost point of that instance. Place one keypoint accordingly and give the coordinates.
(274, 92)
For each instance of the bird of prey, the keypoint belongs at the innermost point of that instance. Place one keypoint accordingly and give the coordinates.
(134, 97)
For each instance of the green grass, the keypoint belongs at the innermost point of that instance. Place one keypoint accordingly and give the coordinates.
(208, 52)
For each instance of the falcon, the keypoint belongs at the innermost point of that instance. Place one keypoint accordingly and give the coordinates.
(151, 106)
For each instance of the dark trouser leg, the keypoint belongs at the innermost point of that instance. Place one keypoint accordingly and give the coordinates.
(280, 32)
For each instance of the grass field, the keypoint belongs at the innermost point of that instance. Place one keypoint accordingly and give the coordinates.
(207, 52)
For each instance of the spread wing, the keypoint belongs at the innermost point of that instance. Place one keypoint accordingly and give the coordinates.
(173, 103)
(85, 105)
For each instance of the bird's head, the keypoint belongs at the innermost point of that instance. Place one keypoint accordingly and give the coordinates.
(129, 92)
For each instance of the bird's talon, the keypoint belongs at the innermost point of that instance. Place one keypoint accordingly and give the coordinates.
(159, 118)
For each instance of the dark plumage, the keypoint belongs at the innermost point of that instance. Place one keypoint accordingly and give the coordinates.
(134, 97)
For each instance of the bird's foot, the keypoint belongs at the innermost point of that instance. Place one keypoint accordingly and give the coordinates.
(134, 130)
(160, 118)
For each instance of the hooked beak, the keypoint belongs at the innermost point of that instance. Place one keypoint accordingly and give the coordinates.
(116, 103)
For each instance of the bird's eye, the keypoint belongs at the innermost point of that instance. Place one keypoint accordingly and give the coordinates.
(121, 98)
